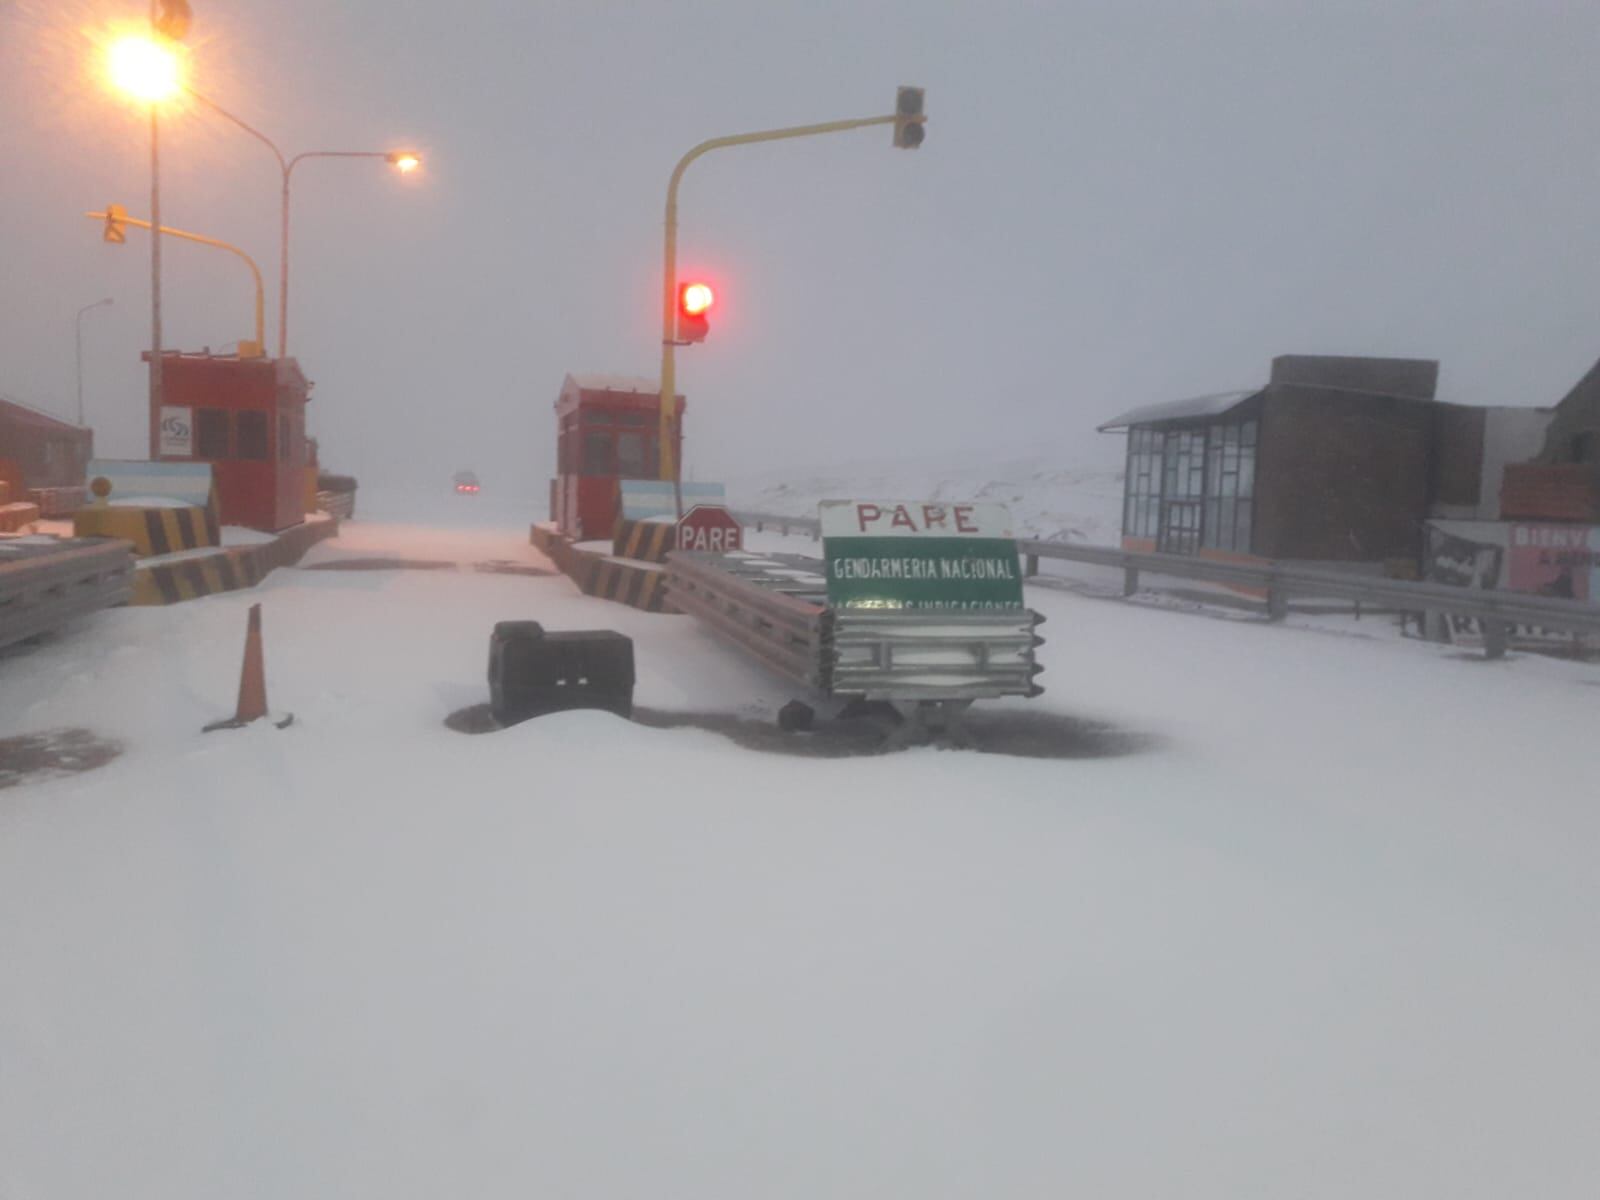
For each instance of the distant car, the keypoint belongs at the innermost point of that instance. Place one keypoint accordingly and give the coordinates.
(466, 483)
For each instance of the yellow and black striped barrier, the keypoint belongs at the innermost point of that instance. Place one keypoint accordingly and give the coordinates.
(153, 530)
(227, 570)
(646, 541)
(632, 583)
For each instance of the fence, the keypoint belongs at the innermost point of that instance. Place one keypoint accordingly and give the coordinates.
(1499, 612)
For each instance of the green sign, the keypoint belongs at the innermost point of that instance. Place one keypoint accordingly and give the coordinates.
(898, 555)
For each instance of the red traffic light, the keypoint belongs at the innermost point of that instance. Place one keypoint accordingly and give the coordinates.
(697, 299)
(694, 301)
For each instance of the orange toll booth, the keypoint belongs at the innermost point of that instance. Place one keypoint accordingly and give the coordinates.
(608, 429)
(247, 418)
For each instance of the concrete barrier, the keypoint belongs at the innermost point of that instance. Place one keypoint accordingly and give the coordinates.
(647, 541)
(636, 584)
(226, 570)
(153, 531)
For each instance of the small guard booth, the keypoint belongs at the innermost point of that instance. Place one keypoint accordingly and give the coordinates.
(247, 418)
(608, 429)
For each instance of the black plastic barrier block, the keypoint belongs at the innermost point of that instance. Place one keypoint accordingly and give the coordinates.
(532, 672)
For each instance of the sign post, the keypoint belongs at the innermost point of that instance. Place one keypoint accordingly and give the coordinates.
(887, 555)
(710, 527)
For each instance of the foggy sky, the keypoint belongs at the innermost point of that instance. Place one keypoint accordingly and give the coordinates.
(1118, 202)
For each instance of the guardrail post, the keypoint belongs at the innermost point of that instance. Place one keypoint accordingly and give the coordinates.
(1277, 602)
(1495, 636)
(1030, 565)
(1130, 580)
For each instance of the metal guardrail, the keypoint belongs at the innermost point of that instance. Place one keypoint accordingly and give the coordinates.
(45, 584)
(775, 607)
(1498, 611)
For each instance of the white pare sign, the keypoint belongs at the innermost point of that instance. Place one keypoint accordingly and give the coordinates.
(177, 432)
(920, 518)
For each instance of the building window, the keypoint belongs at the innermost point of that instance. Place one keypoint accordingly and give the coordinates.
(636, 456)
(211, 433)
(597, 453)
(1142, 491)
(251, 436)
(1230, 485)
(1182, 491)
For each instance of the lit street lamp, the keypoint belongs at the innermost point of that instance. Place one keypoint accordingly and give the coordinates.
(404, 161)
(147, 68)
(78, 323)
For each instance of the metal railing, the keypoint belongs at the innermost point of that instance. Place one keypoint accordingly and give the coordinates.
(44, 585)
(1499, 612)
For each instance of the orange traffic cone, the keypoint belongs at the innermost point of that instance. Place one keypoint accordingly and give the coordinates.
(252, 681)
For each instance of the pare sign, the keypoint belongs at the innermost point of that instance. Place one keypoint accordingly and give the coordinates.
(711, 528)
(884, 518)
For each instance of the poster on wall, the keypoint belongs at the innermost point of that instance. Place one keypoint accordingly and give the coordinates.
(177, 432)
(1554, 560)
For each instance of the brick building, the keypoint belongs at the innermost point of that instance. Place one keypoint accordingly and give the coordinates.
(40, 451)
(1334, 459)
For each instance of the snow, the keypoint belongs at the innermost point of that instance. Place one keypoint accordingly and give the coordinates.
(1333, 934)
(238, 535)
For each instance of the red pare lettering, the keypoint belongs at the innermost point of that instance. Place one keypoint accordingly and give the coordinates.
(933, 516)
(963, 523)
(902, 517)
(862, 517)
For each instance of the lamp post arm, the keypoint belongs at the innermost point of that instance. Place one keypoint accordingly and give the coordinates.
(255, 271)
(670, 467)
(283, 165)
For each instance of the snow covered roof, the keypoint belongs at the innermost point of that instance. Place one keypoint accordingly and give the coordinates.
(1214, 405)
(599, 381)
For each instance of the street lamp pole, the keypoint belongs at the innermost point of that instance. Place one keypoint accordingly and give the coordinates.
(404, 160)
(78, 341)
(157, 393)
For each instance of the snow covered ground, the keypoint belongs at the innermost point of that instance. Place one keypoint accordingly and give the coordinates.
(1075, 495)
(1333, 933)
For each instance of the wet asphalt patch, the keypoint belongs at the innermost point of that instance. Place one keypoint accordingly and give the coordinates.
(495, 566)
(53, 754)
(1006, 732)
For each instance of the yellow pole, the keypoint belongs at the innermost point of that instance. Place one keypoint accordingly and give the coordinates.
(255, 271)
(669, 294)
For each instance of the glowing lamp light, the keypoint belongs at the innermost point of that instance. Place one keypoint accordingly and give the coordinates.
(145, 68)
(405, 161)
(697, 299)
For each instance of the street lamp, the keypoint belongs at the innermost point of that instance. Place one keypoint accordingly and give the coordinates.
(148, 68)
(78, 324)
(404, 161)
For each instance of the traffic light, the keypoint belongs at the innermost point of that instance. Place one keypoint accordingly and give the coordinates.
(908, 118)
(694, 302)
(116, 231)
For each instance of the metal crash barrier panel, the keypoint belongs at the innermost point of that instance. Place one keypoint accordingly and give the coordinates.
(775, 608)
(46, 583)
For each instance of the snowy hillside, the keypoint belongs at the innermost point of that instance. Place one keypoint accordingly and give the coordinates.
(1063, 499)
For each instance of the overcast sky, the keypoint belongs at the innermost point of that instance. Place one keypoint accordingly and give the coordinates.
(1118, 202)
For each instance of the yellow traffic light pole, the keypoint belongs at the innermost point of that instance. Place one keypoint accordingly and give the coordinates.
(256, 348)
(669, 291)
